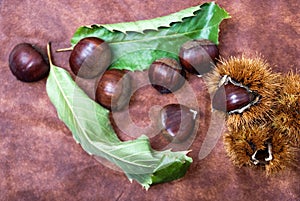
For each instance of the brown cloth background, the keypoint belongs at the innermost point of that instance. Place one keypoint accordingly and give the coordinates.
(39, 160)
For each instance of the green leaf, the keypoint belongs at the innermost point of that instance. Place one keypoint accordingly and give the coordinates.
(135, 45)
(90, 126)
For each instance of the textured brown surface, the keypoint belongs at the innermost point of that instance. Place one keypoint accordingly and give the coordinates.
(39, 160)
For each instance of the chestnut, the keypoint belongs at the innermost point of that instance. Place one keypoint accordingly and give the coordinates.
(198, 56)
(114, 89)
(90, 57)
(27, 63)
(166, 75)
(233, 97)
(178, 122)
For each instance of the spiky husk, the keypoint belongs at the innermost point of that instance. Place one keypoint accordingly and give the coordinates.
(241, 145)
(287, 118)
(255, 73)
(284, 153)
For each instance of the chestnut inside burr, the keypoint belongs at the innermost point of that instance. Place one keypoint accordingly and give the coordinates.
(233, 97)
(264, 156)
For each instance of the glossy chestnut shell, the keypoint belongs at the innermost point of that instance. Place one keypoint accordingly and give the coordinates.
(166, 75)
(178, 122)
(27, 63)
(114, 89)
(231, 98)
(198, 56)
(90, 57)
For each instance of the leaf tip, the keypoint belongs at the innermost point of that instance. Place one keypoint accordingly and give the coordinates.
(146, 187)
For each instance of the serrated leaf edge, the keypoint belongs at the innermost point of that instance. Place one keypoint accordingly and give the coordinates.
(112, 27)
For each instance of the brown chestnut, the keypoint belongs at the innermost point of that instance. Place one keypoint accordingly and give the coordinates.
(90, 57)
(178, 122)
(233, 97)
(166, 75)
(198, 56)
(114, 89)
(27, 63)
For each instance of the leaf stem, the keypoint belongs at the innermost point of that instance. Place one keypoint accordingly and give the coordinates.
(49, 53)
(65, 49)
